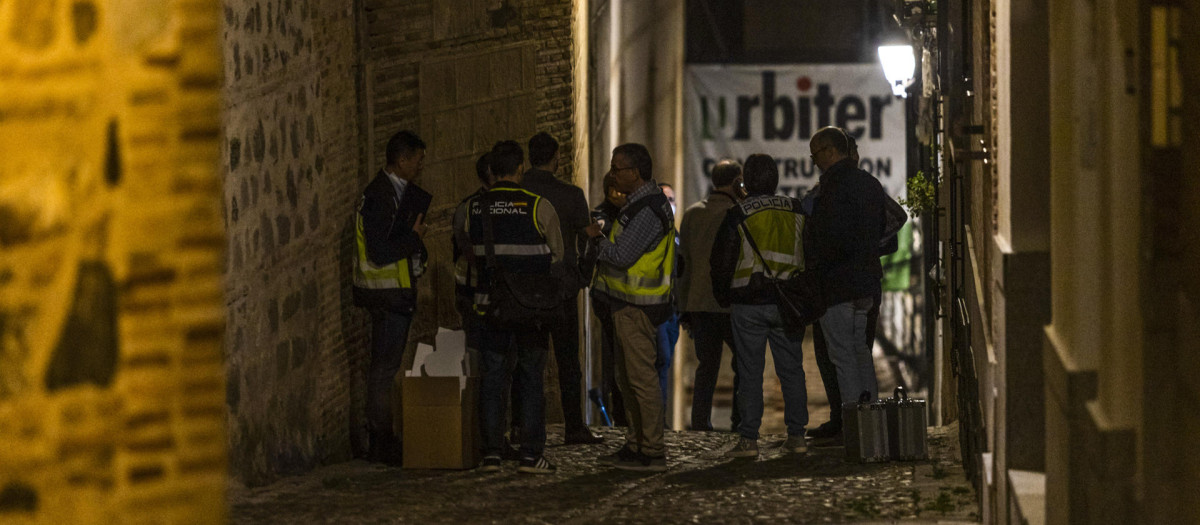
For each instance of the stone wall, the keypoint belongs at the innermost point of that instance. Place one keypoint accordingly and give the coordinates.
(110, 244)
(291, 163)
(313, 90)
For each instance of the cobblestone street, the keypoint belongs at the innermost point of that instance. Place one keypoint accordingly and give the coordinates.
(701, 486)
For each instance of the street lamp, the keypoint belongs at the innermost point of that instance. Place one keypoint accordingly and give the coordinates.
(898, 66)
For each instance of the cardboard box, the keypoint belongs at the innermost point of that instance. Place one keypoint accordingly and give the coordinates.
(441, 422)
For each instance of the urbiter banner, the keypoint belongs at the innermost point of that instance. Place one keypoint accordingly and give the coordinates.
(736, 111)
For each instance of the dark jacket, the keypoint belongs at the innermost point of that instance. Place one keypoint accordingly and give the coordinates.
(388, 241)
(572, 209)
(847, 226)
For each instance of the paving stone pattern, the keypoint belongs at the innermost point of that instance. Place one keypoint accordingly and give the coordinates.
(701, 486)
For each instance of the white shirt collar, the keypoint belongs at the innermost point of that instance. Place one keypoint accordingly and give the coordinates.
(397, 182)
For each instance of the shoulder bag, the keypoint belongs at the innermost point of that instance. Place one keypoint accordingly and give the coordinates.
(799, 298)
(517, 299)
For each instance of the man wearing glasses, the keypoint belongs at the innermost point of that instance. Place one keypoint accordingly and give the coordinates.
(633, 277)
(847, 225)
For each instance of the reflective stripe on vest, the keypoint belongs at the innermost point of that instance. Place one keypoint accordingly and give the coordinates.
(368, 275)
(520, 245)
(648, 281)
(777, 233)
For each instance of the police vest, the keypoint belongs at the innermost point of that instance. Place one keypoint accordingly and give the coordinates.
(648, 281)
(777, 225)
(368, 275)
(520, 245)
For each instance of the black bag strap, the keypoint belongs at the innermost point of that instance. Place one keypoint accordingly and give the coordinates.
(489, 232)
(655, 203)
(754, 246)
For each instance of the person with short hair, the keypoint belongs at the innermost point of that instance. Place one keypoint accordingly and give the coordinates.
(707, 321)
(634, 276)
(388, 263)
(526, 240)
(847, 220)
(572, 209)
(609, 209)
(760, 241)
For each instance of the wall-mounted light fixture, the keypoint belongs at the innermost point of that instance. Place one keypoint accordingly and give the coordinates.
(899, 63)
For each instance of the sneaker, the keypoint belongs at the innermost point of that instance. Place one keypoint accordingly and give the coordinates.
(583, 436)
(795, 445)
(537, 465)
(835, 440)
(490, 464)
(827, 430)
(745, 448)
(624, 453)
(643, 463)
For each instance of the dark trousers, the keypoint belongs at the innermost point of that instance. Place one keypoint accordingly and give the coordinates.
(527, 376)
(711, 332)
(565, 335)
(825, 365)
(611, 394)
(389, 333)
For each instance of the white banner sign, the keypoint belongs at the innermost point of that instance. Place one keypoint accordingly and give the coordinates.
(736, 111)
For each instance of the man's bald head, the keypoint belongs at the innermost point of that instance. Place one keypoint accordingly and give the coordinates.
(828, 146)
(725, 172)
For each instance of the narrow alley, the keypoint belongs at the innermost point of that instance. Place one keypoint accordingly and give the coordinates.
(251, 250)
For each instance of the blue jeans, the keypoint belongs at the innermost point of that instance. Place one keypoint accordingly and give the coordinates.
(531, 361)
(711, 332)
(753, 325)
(844, 326)
(389, 333)
(668, 335)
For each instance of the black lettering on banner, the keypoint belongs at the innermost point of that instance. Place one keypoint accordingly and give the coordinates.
(744, 106)
(877, 105)
(804, 118)
(771, 107)
(851, 110)
(824, 101)
(789, 168)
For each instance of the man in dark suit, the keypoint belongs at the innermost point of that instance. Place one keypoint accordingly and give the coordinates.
(390, 257)
(573, 216)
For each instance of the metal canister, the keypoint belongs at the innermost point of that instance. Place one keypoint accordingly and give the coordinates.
(864, 430)
(906, 422)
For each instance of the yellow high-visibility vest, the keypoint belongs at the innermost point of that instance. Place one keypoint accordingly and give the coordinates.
(368, 275)
(648, 282)
(777, 231)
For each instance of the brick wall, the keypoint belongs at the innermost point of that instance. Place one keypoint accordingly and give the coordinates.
(291, 164)
(110, 244)
(313, 90)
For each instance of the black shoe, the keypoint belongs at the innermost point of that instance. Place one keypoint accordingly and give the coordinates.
(583, 436)
(624, 453)
(826, 430)
(831, 441)
(643, 463)
(537, 465)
